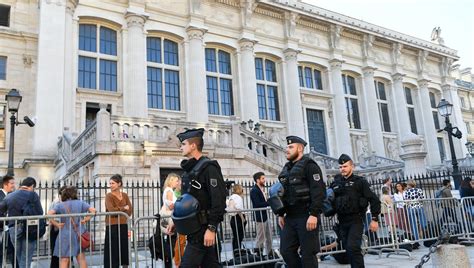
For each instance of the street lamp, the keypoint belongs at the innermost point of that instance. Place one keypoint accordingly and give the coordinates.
(445, 109)
(13, 99)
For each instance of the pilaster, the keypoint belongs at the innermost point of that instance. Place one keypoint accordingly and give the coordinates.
(375, 128)
(248, 80)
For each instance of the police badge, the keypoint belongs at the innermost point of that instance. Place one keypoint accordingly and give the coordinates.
(316, 177)
(213, 182)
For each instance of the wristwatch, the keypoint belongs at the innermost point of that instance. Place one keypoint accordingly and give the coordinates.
(212, 228)
(376, 219)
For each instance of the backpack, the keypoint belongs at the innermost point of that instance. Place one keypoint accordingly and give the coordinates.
(33, 229)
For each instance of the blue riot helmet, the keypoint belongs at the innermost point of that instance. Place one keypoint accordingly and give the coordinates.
(276, 198)
(186, 215)
(328, 208)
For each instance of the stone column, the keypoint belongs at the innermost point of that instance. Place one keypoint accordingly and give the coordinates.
(248, 81)
(135, 103)
(413, 155)
(197, 110)
(70, 57)
(431, 142)
(375, 129)
(343, 139)
(50, 82)
(400, 106)
(294, 110)
(450, 93)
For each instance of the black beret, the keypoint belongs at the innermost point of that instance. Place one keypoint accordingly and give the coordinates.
(343, 159)
(295, 139)
(190, 133)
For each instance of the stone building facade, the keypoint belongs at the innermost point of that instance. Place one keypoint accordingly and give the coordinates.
(116, 80)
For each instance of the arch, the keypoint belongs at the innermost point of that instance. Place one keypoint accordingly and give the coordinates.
(110, 22)
(221, 44)
(165, 34)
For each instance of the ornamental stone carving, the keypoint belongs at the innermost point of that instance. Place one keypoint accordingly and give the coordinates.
(368, 71)
(195, 33)
(195, 6)
(446, 64)
(135, 20)
(367, 45)
(290, 23)
(335, 64)
(421, 63)
(247, 44)
(423, 83)
(397, 53)
(335, 36)
(397, 77)
(291, 54)
(71, 6)
(248, 7)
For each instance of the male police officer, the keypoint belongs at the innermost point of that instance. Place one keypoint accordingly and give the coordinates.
(304, 192)
(202, 181)
(352, 196)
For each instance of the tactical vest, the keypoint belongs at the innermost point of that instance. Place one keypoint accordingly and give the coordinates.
(195, 185)
(348, 199)
(294, 182)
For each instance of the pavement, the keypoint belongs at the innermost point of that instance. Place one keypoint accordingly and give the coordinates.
(397, 261)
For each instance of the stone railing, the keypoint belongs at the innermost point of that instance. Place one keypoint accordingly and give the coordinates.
(83, 146)
(261, 146)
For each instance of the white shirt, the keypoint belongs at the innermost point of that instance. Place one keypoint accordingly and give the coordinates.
(235, 203)
(166, 201)
(398, 197)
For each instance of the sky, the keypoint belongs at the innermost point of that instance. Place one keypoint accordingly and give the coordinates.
(416, 18)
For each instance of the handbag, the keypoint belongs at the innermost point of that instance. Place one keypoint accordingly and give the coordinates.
(84, 238)
(165, 218)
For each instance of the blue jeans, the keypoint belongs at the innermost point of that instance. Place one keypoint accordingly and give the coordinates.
(24, 249)
(416, 216)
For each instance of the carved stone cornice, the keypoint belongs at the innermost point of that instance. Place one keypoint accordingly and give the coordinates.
(135, 19)
(247, 44)
(291, 54)
(195, 32)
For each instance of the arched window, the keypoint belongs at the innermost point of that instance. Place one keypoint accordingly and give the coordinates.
(162, 74)
(97, 57)
(267, 89)
(219, 82)
(382, 102)
(434, 109)
(310, 77)
(411, 109)
(352, 101)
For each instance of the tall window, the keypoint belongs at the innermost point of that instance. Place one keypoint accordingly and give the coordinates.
(310, 77)
(442, 152)
(219, 82)
(3, 109)
(463, 102)
(3, 68)
(468, 128)
(352, 106)
(434, 110)
(97, 66)
(411, 110)
(4, 15)
(162, 74)
(267, 89)
(383, 105)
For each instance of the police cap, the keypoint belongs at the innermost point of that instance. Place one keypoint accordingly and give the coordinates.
(295, 139)
(343, 159)
(191, 133)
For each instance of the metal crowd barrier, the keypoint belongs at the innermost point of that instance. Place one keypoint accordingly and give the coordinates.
(20, 249)
(239, 244)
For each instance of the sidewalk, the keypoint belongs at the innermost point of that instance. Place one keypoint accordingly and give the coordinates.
(395, 261)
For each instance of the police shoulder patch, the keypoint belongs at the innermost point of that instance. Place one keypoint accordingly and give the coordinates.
(316, 177)
(213, 182)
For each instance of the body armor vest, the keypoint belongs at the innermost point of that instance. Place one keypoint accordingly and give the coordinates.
(294, 182)
(195, 185)
(348, 199)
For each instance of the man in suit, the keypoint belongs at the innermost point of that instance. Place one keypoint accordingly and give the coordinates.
(8, 186)
(259, 200)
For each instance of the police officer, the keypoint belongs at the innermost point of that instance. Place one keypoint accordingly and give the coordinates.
(202, 181)
(304, 192)
(352, 195)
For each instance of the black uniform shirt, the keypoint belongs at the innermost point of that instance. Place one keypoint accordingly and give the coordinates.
(367, 193)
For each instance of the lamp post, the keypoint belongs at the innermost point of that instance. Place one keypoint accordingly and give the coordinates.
(13, 99)
(445, 109)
